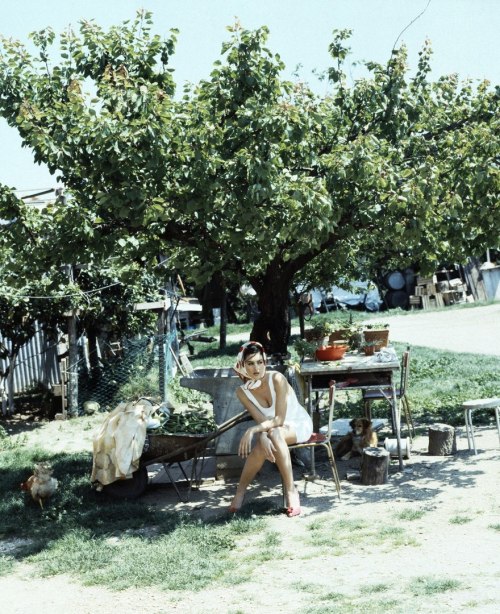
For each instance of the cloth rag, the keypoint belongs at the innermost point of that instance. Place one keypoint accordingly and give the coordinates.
(119, 442)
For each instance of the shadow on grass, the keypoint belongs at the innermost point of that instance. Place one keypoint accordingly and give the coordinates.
(15, 425)
(230, 351)
(76, 506)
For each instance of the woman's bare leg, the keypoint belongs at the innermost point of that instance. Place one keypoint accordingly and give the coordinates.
(252, 465)
(281, 437)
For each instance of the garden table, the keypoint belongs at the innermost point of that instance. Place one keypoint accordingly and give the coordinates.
(355, 372)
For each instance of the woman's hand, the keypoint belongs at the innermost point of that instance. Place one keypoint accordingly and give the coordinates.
(268, 446)
(246, 443)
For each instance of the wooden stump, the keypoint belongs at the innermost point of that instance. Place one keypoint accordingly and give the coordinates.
(442, 440)
(375, 466)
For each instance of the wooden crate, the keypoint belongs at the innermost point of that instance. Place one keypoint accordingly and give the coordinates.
(415, 302)
(423, 281)
(427, 303)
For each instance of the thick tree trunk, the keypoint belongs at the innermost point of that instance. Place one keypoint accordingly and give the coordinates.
(272, 326)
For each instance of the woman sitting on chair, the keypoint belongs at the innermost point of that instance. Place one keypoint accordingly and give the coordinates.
(280, 420)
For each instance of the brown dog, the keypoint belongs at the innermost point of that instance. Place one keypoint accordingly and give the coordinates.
(361, 436)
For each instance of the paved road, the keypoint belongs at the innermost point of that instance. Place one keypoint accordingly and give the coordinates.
(472, 329)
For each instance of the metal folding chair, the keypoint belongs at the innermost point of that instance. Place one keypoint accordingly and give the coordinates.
(378, 395)
(324, 439)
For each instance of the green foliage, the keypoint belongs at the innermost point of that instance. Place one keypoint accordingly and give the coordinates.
(460, 519)
(6, 564)
(376, 325)
(410, 514)
(190, 420)
(247, 176)
(342, 535)
(6, 442)
(304, 348)
(187, 557)
(441, 381)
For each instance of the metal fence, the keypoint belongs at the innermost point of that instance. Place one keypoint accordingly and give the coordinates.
(36, 364)
(139, 367)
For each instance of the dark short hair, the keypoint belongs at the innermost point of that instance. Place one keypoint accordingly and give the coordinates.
(251, 349)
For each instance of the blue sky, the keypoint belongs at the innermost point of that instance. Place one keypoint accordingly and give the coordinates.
(463, 34)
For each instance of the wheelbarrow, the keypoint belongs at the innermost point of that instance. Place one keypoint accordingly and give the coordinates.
(169, 450)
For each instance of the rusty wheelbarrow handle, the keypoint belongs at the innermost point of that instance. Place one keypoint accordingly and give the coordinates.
(202, 443)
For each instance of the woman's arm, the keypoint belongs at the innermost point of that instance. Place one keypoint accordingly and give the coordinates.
(264, 425)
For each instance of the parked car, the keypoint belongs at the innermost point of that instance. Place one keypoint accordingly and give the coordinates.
(361, 295)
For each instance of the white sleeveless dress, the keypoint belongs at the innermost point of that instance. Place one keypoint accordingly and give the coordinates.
(296, 416)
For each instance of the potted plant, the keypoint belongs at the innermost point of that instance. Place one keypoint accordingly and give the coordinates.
(370, 347)
(348, 331)
(305, 349)
(320, 332)
(377, 331)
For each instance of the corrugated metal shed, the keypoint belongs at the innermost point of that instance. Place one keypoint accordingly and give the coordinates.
(36, 363)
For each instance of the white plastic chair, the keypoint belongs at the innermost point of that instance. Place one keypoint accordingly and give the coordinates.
(469, 407)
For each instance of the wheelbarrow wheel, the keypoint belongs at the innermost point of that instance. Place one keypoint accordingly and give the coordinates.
(131, 488)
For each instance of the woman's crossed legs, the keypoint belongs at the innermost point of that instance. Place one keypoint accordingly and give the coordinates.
(280, 438)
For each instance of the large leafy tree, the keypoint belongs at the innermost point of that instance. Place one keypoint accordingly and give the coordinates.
(250, 176)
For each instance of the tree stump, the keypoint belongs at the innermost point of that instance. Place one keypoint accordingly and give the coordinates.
(375, 466)
(442, 440)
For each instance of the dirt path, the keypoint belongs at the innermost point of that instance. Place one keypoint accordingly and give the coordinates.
(475, 329)
(461, 329)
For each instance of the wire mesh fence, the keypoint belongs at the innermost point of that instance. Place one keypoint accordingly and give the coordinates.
(139, 368)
